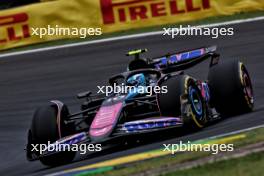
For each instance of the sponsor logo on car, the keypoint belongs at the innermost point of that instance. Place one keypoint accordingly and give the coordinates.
(151, 124)
(173, 59)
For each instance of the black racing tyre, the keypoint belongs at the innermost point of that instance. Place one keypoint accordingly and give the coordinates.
(58, 158)
(170, 102)
(44, 128)
(231, 88)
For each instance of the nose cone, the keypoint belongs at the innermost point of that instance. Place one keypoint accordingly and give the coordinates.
(105, 121)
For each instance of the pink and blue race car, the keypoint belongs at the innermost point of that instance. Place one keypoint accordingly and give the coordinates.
(182, 101)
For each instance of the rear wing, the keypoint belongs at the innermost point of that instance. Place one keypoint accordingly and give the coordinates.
(185, 59)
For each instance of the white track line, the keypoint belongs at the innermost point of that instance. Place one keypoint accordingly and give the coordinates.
(141, 35)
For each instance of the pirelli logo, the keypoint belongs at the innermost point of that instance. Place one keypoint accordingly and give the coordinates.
(14, 27)
(114, 11)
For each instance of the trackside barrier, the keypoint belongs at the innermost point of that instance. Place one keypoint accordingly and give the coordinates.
(109, 15)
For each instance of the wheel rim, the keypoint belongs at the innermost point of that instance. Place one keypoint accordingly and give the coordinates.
(248, 90)
(196, 101)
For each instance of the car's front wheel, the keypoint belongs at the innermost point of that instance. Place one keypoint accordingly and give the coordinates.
(44, 129)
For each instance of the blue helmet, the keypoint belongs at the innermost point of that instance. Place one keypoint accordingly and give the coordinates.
(137, 80)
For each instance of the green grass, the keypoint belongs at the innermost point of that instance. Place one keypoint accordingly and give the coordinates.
(209, 20)
(250, 165)
(252, 137)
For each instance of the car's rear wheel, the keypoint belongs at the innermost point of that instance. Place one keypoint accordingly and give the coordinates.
(44, 128)
(231, 88)
(170, 103)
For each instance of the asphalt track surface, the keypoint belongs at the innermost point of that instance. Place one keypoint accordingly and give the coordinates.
(30, 80)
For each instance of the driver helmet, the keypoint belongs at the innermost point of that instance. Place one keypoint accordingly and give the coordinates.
(137, 80)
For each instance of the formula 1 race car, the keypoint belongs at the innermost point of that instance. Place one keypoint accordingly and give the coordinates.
(160, 97)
